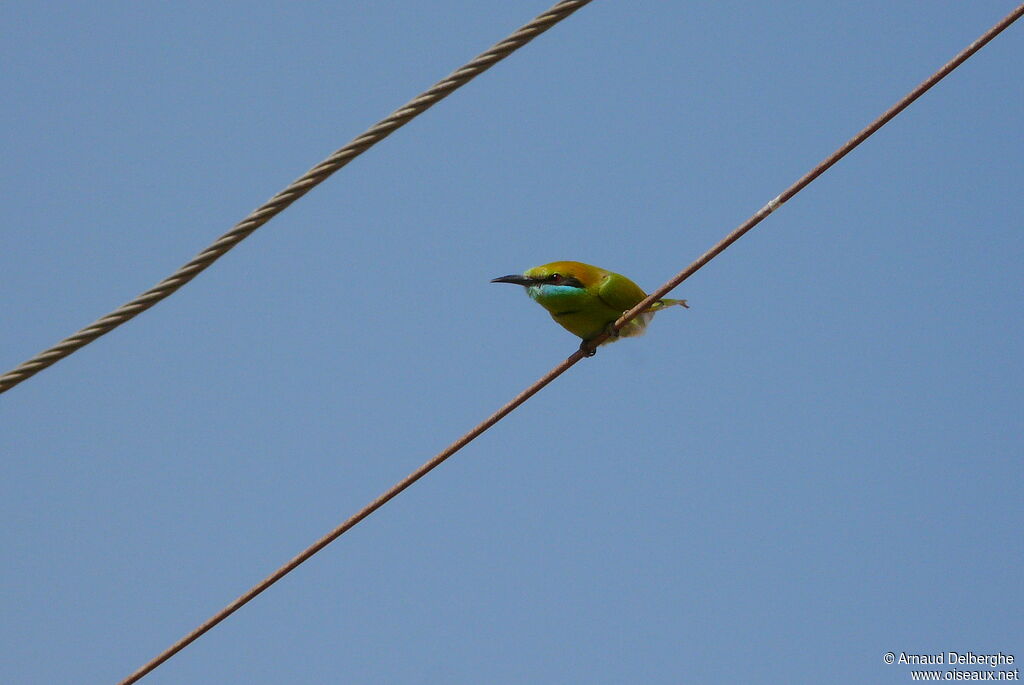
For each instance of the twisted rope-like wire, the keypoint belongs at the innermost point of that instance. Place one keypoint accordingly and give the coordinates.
(554, 373)
(293, 192)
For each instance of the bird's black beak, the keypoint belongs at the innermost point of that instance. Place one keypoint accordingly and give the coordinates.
(514, 278)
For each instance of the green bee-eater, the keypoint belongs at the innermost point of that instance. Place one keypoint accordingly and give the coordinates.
(586, 300)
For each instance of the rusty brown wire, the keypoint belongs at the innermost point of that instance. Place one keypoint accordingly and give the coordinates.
(814, 173)
(293, 192)
(554, 373)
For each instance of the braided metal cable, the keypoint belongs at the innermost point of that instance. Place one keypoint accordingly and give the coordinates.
(293, 192)
(575, 357)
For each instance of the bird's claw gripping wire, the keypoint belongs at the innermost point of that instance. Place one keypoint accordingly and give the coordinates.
(589, 349)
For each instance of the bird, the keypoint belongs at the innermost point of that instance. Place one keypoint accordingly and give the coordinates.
(586, 300)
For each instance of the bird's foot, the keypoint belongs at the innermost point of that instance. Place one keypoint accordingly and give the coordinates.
(589, 349)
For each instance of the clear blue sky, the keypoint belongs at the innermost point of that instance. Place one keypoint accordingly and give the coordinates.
(818, 463)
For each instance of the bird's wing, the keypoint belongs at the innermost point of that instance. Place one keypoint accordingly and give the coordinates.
(620, 293)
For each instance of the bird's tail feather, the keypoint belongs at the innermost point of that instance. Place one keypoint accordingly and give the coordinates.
(661, 304)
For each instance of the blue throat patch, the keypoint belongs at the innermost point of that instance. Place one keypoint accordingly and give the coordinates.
(549, 291)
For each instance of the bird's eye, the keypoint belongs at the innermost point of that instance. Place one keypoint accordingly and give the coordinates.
(555, 278)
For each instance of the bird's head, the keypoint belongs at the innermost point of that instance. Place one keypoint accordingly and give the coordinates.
(565, 276)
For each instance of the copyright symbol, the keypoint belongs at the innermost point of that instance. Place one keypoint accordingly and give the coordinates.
(889, 658)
